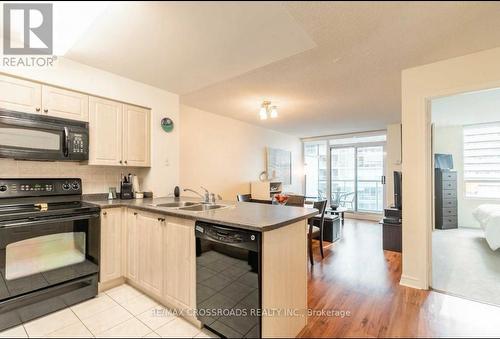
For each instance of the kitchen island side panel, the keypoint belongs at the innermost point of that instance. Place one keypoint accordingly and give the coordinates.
(284, 280)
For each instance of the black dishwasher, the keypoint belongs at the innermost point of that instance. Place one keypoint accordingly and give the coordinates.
(228, 280)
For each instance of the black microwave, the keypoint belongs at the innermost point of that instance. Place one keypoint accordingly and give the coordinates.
(28, 136)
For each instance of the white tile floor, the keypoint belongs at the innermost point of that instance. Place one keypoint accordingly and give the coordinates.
(120, 312)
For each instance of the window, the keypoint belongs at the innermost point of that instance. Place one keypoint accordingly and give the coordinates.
(482, 161)
(315, 169)
(346, 170)
(358, 140)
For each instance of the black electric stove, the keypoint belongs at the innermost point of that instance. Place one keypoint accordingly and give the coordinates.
(49, 248)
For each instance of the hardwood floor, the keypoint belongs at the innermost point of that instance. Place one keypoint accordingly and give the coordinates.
(356, 276)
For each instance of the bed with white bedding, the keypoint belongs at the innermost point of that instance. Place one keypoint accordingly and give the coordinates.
(488, 216)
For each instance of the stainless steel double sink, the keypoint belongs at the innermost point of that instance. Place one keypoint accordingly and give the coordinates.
(190, 206)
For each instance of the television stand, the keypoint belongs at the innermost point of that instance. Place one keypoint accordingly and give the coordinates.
(392, 230)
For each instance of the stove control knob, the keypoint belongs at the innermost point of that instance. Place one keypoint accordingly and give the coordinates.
(75, 185)
(66, 186)
(3, 188)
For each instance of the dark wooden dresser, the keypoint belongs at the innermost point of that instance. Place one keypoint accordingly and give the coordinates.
(446, 204)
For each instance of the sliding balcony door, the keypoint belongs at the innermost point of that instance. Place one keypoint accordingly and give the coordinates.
(369, 179)
(357, 176)
(343, 183)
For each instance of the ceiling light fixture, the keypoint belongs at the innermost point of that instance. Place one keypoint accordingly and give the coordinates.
(266, 109)
(263, 112)
(274, 112)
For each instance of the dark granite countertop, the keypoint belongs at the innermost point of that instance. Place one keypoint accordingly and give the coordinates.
(245, 215)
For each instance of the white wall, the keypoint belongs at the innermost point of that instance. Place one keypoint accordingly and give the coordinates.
(225, 155)
(164, 172)
(392, 160)
(420, 85)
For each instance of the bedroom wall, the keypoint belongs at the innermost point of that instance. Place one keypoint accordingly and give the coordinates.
(449, 140)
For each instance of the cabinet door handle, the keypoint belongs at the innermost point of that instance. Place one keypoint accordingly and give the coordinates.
(46, 111)
(135, 213)
(125, 161)
(37, 109)
(120, 161)
(104, 213)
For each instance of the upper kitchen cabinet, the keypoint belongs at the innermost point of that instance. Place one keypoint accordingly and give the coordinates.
(105, 130)
(66, 104)
(119, 134)
(32, 97)
(20, 95)
(136, 132)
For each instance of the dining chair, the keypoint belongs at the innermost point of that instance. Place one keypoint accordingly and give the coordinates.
(347, 199)
(244, 197)
(296, 200)
(315, 231)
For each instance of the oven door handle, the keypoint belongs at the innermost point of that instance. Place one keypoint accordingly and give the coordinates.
(47, 220)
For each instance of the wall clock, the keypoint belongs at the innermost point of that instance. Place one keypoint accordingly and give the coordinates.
(167, 124)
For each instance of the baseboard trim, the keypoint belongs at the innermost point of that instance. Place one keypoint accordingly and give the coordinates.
(362, 216)
(412, 282)
(110, 284)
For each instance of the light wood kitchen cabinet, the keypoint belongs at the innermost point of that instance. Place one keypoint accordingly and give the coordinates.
(66, 104)
(157, 254)
(32, 97)
(132, 241)
(179, 264)
(105, 129)
(119, 134)
(136, 132)
(111, 245)
(150, 229)
(20, 95)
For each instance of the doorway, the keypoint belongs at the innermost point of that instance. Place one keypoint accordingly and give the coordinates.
(466, 199)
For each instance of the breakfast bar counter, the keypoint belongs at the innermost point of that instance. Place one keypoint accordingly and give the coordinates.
(245, 215)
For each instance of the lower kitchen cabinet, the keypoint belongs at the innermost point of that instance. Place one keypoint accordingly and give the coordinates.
(111, 245)
(132, 243)
(150, 230)
(157, 255)
(179, 264)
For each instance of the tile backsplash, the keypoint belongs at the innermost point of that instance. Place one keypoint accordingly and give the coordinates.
(95, 179)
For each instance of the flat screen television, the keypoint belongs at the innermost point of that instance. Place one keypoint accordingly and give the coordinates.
(398, 183)
(443, 161)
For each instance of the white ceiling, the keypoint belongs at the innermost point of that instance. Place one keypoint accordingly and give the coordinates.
(331, 67)
(182, 47)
